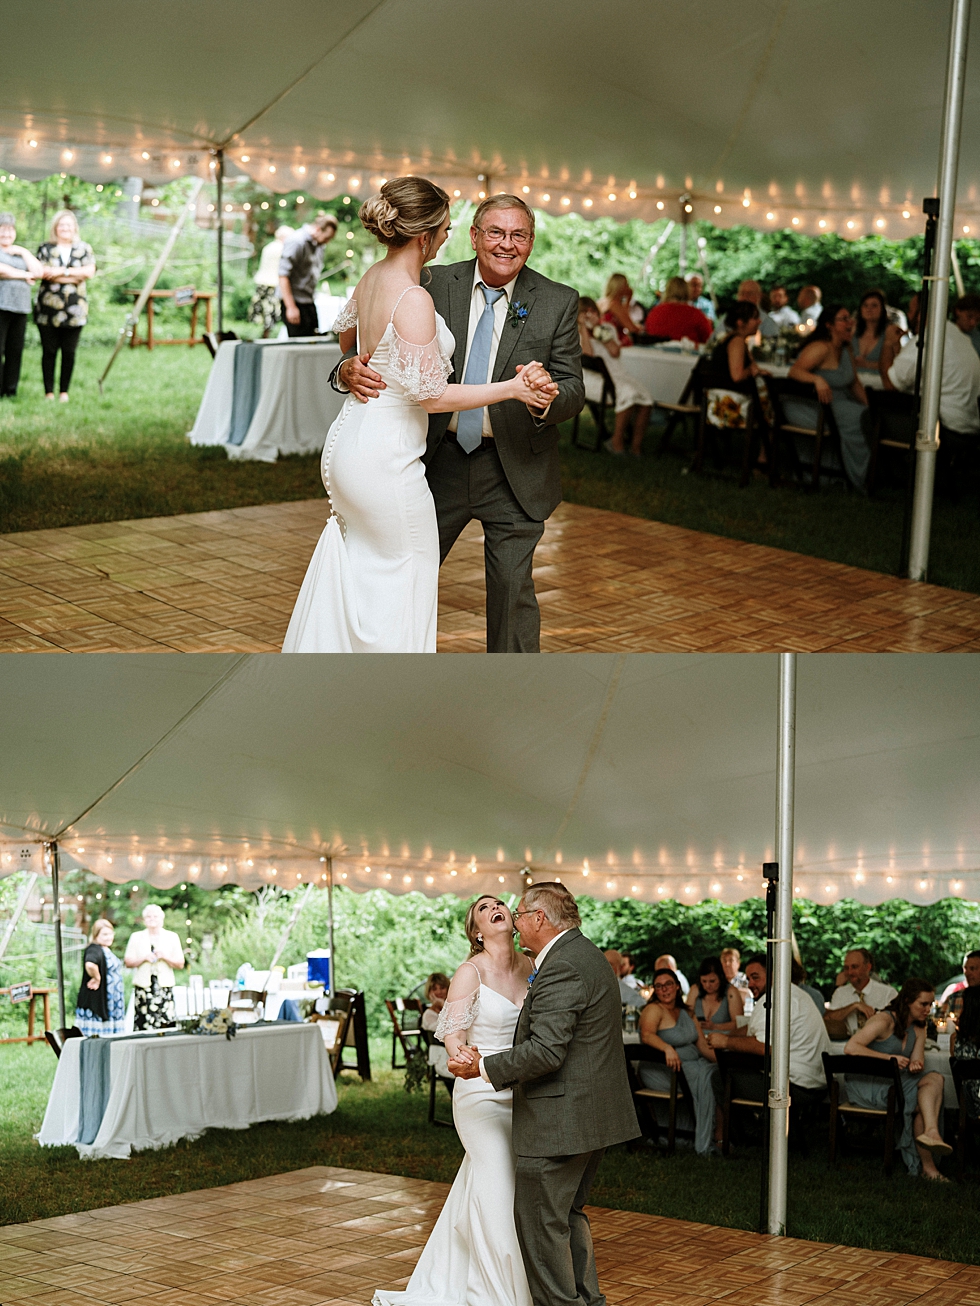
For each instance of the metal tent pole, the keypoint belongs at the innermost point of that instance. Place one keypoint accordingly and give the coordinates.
(59, 960)
(927, 436)
(333, 973)
(219, 174)
(780, 978)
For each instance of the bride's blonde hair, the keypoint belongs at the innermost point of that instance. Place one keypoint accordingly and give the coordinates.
(403, 209)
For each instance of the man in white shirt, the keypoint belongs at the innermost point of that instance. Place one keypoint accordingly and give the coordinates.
(807, 1036)
(860, 996)
(779, 309)
(961, 378)
(808, 302)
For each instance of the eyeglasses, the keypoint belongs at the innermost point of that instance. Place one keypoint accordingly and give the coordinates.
(530, 912)
(495, 236)
(666, 987)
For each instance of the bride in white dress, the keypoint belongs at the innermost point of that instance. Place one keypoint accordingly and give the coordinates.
(473, 1257)
(372, 583)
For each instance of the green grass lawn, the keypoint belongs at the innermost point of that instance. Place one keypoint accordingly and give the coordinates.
(126, 456)
(379, 1127)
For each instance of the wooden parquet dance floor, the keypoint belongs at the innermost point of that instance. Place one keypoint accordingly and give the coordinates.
(227, 581)
(330, 1237)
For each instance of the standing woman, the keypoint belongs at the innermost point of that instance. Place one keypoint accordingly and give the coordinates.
(153, 954)
(18, 272)
(62, 302)
(100, 1007)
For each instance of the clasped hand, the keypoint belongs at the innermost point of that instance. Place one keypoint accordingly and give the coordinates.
(465, 1063)
(541, 390)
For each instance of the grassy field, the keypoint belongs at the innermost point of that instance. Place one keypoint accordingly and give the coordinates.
(126, 456)
(379, 1127)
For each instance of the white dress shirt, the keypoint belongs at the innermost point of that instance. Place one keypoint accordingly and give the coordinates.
(875, 994)
(785, 316)
(807, 1038)
(539, 959)
(477, 306)
(960, 383)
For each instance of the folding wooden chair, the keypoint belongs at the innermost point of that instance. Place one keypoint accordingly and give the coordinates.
(434, 1078)
(741, 1072)
(351, 1002)
(598, 411)
(892, 1113)
(643, 1097)
(714, 401)
(823, 431)
(406, 1017)
(688, 406)
(892, 412)
(964, 1071)
(56, 1039)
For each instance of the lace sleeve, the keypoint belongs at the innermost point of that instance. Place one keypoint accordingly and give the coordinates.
(347, 317)
(423, 370)
(457, 1015)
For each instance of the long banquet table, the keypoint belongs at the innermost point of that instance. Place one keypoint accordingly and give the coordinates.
(270, 397)
(166, 1087)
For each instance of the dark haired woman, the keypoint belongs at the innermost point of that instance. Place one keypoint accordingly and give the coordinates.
(965, 1042)
(714, 1002)
(869, 330)
(664, 1024)
(732, 367)
(827, 362)
(899, 1034)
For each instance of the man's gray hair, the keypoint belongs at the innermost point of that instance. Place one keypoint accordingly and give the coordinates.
(556, 902)
(502, 202)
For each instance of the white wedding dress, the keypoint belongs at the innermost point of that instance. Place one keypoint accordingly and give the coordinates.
(472, 1257)
(372, 583)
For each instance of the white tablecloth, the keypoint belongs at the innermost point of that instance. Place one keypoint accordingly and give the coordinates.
(296, 404)
(663, 373)
(165, 1089)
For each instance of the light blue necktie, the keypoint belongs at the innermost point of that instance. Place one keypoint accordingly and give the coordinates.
(469, 425)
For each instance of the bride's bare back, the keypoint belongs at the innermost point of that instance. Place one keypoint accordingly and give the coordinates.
(377, 293)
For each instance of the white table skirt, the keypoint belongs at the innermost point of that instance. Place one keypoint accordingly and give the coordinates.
(663, 373)
(165, 1089)
(296, 404)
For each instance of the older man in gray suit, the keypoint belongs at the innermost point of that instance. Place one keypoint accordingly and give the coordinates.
(498, 465)
(571, 1095)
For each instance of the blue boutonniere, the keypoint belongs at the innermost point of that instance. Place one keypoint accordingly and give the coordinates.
(530, 978)
(517, 311)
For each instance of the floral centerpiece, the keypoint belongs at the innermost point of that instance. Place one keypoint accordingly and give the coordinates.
(217, 1021)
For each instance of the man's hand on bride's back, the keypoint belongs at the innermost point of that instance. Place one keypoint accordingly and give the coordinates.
(362, 381)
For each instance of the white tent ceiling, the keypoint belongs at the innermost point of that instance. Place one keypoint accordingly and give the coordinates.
(827, 112)
(651, 776)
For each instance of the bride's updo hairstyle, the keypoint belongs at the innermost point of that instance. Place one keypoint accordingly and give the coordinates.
(403, 209)
(470, 925)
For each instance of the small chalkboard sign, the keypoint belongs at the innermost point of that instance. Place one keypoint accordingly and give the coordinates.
(20, 992)
(184, 296)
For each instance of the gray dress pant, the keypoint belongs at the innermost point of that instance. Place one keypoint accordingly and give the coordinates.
(553, 1229)
(473, 486)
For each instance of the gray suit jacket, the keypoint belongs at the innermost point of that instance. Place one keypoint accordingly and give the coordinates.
(567, 1065)
(528, 445)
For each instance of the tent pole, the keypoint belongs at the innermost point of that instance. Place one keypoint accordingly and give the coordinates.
(333, 984)
(780, 979)
(927, 436)
(219, 174)
(59, 960)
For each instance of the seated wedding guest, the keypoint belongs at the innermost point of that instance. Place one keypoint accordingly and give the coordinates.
(808, 302)
(628, 994)
(19, 269)
(750, 292)
(263, 311)
(899, 1034)
(859, 997)
(664, 1024)
(807, 1036)
(668, 962)
(599, 340)
(960, 384)
(100, 1007)
(615, 306)
(696, 295)
(731, 961)
(629, 969)
(436, 992)
(153, 954)
(869, 330)
(732, 366)
(952, 999)
(966, 315)
(61, 309)
(827, 362)
(675, 318)
(300, 265)
(713, 1001)
(965, 1042)
(779, 308)
(799, 979)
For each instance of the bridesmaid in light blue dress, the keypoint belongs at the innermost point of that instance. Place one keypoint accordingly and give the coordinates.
(664, 1024)
(827, 362)
(870, 324)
